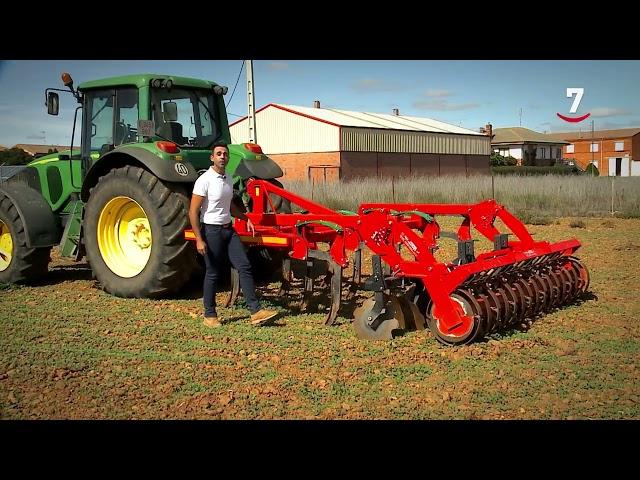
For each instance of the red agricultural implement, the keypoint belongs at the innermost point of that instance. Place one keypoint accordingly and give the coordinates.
(461, 301)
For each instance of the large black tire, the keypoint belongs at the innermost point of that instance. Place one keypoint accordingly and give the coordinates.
(19, 263)
(282, 205)
(171, 259)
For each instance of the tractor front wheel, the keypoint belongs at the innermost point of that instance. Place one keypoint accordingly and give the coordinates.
(134, 238)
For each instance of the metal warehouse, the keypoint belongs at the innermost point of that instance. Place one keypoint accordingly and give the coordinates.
(331, 144)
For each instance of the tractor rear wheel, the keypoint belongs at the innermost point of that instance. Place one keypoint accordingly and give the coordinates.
(18, 263)
(134, 238)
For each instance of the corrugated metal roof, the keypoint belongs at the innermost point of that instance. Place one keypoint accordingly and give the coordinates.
(349, 118)
(513, 135)
(597, 134)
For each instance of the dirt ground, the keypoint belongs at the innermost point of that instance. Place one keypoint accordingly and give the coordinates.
(71, 351)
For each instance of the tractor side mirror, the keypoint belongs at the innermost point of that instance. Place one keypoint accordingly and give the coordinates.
(170, 111)
(53, 103)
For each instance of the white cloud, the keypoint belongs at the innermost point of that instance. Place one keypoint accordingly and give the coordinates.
(609, 112)
(278, 66)
(443, 105)
(438, 93)
(374, 85)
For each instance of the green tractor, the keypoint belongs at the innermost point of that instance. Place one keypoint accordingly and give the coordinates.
(122, 198)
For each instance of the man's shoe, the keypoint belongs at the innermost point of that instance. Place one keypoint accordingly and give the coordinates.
(211, 322)
(263, 317)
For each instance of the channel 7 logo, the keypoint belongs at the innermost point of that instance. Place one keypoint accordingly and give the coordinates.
(578, 92)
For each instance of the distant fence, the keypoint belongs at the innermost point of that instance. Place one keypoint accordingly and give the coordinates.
(8, 171)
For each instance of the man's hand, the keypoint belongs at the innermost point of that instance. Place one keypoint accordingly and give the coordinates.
(251, 228)
(201, 246)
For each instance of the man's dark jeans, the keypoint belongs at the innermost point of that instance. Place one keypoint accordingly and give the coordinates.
(222, 242)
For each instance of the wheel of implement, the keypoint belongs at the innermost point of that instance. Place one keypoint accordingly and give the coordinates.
(458, 336)
(583, 274)
(388, 324)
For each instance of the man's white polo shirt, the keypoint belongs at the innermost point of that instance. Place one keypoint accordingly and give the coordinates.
(217, 191)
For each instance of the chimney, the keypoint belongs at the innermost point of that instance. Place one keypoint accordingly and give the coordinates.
(488, 130)
(316, 104)
(396, 112)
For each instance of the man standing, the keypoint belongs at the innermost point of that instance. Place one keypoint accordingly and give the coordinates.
(210, 215)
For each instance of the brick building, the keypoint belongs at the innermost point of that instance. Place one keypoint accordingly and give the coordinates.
(328, 144)
(614, 152)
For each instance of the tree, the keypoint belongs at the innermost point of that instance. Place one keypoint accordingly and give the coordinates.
(592, 170)
(14, 156)
(498, 160)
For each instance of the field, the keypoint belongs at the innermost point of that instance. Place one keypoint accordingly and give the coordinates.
(71, 351)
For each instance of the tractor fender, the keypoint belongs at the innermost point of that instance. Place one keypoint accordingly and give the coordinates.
(41, 226)
(169, 171)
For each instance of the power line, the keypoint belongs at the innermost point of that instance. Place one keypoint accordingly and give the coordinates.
(237, 80)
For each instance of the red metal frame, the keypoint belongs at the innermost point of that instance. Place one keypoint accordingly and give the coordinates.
(382, 227)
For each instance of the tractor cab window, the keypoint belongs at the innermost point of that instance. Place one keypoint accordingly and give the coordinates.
(186, 117)
(111, 118)
(99, 119)
(126, 128)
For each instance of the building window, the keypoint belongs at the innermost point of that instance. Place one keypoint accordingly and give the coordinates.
(619, 146)
(594, 147)
(570, 148)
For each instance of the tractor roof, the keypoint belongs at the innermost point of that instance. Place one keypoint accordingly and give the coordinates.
(143, 79)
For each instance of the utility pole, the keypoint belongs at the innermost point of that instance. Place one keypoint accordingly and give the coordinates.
(520, 116)
(592, 135)
(253, 137)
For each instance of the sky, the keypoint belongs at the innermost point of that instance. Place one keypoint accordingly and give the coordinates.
(467, 93)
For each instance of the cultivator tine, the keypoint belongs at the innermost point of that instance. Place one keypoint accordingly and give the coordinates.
(307, 295)
(411, 316)
(285, 285)
(357, 273)
(235, 288)
(336, 292)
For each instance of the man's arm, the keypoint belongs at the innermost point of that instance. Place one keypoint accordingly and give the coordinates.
(194, 218)
(239, 212)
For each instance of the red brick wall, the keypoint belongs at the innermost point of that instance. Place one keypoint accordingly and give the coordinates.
(296, 165)
(606, 149)
(371, 164)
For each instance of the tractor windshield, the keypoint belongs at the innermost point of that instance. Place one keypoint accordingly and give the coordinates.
(186, 117)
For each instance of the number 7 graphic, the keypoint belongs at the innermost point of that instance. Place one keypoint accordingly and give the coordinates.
(578, 92)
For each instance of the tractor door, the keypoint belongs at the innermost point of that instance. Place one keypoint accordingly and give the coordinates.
(110, 119)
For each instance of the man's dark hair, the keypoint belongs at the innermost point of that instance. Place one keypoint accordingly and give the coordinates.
(219, 144)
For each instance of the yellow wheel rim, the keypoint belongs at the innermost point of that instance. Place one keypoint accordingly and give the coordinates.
(124, 236)
(6, 246)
